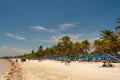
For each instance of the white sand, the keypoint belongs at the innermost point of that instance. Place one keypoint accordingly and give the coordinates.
(55, 70)
(4, 68)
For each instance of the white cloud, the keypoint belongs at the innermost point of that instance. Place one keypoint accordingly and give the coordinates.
(7, 51)
(9, 34)
(93, 39)
(20, 38)
(66, 25)
(39, 28)
(73, 37)
(77, 37)
(61, 27)
(53, 30)
(14, 36)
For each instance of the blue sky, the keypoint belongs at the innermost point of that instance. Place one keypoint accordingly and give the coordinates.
(26, 24)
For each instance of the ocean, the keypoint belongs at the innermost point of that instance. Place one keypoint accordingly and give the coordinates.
(4, 68)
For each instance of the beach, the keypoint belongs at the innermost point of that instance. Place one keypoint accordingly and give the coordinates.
(56, 70)
(4, 68)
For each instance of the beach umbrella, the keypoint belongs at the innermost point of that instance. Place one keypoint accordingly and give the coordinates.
(66, 56)
(105, 56)
(89, 56)
(116, 55)
(97, 56)
(62, 57)
(82, 57)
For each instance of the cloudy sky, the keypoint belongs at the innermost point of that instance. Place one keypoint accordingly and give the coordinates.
(27, 24)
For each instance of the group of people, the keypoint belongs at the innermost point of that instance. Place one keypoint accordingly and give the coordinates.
(67, 61)
(22, 60)
(106, 63)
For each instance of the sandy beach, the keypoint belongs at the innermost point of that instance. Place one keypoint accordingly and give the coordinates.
(55, 70)
(14, 72)
(4, 68)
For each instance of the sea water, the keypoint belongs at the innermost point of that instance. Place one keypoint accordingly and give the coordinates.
(4, 68)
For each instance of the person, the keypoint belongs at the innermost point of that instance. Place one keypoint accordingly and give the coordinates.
(67, 61)
(109, 64)
(104, 63)
(39, 59)
(23, 60)
(16, 60)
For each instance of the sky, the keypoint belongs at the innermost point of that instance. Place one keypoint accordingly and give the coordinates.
(27, 24)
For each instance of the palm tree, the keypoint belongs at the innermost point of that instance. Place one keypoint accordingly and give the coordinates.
(106, 34)
(117, 28)
(39, 52)
(86, 46)
(106, 40)
(77, 49)
(118, 20)
(66, 44)
(114, 44)
(33, 55)
(59, 49)
(108, 44)
(99, 46)
(55, 50)
(48, 52)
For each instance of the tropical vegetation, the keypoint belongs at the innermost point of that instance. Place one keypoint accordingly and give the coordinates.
(109, 43)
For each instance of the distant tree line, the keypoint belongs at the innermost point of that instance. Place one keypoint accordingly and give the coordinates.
(109, 43)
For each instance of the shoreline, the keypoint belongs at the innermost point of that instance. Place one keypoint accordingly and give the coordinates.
(4, 68)
(15, 71)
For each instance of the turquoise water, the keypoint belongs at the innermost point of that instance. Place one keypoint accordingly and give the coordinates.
(4, 67)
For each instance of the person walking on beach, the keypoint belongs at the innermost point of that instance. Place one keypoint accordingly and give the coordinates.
(67, 61)
(16, 60)
(23, 60)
